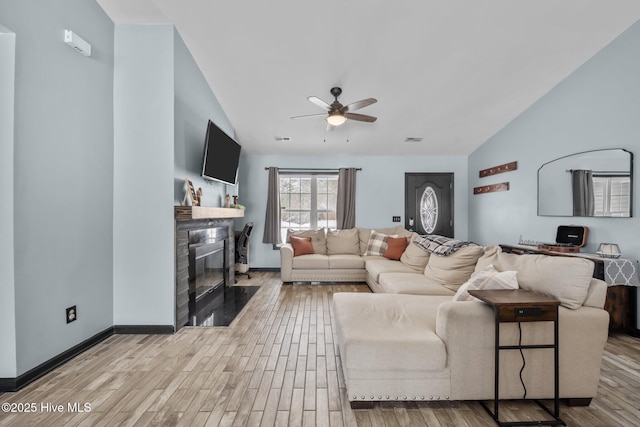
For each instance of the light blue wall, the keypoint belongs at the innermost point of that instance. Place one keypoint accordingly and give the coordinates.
(63, 175)
(7, 279)
(162, 104)
(195, 105)
(596, 107)
(143, 255)
(379, 192)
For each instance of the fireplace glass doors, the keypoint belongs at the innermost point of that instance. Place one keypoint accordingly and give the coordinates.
(208, 268)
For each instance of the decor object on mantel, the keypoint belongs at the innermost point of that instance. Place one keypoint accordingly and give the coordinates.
(507, 167)
(503, 186)
(195, 197)
(227, 203)
(609, 250)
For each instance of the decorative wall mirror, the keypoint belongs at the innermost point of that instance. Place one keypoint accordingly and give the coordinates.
(597, 183)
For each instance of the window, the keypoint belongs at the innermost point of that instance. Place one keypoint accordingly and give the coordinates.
(307, 201)
(612, 195)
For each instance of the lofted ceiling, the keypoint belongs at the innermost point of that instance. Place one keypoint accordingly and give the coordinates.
(450, 72)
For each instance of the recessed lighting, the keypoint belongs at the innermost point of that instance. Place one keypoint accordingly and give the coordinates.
(413, 139)
(283, 138)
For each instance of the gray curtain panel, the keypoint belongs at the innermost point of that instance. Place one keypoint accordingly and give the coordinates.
(583, 197)
(272, 215)
(346, 206)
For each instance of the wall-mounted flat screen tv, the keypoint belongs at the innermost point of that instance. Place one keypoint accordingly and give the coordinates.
(221, 156)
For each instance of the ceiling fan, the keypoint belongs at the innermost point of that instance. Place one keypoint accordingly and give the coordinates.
(337, 113)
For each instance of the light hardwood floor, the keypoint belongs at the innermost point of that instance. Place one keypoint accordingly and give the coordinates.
(275, 365)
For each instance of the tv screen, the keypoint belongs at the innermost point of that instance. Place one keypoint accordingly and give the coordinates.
(221, 156)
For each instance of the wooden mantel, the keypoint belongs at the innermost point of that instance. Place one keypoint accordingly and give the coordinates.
(204, 212)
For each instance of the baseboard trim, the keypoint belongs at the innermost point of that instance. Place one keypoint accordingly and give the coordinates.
(15, 384)
(143, 329)
(266, 269)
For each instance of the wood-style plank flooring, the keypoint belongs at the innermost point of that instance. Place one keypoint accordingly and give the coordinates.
(275, 365)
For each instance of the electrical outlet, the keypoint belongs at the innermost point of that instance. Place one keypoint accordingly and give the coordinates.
(396, 219)
(72, 314)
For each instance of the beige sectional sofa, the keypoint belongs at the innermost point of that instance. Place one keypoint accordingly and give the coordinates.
(410, 340)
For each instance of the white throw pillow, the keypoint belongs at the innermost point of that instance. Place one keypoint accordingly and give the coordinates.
(487, 278)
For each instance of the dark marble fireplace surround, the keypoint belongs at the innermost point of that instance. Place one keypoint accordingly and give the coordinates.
(183, 227)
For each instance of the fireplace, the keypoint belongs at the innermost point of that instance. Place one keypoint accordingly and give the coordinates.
(208, 269)
(204, 266)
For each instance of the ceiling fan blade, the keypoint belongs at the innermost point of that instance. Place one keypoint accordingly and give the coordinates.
(319, 102)
(310, 115)
(360, 117)
(358, 104)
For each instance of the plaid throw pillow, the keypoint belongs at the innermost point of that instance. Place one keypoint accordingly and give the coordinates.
(377, 244)
(440, 245)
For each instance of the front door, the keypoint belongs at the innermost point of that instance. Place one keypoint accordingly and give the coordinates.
(428, 203)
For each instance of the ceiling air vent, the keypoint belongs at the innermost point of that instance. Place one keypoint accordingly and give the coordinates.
(413, 139)
(283, 138)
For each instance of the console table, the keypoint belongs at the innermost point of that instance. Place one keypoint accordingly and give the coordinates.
(521, 305)
(620, 275)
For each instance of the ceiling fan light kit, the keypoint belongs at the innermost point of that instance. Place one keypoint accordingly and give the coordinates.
(336, 119)
(338, 113)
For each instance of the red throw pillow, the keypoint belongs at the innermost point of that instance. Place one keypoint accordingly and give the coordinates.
(301, 245)
(395, 247)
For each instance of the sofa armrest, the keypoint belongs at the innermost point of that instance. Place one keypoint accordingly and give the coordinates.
(286, 262)
(467, 329)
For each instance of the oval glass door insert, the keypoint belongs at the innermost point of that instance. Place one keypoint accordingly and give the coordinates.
(429, 210)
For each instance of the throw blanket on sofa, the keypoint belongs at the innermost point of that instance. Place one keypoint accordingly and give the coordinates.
(440, 245)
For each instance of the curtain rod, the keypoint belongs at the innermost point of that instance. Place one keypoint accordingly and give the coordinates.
(308, 169)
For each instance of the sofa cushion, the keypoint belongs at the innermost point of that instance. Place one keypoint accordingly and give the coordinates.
(389, 332)
(411, 283)
(301, 245)
(487, 278)
(414, 256)
(318, 239)
(343, 242)
(377, 266)
(346, 261)
(454, 269)
(395, 248)
(563, 277)
(311, 262)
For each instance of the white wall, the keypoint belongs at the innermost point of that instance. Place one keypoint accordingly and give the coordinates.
(379, 191)
(143, 254)
(63, 175)
(595, 107)
(7, 278)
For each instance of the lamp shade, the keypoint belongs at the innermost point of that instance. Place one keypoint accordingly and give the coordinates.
(609, 250)
(336, 119)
